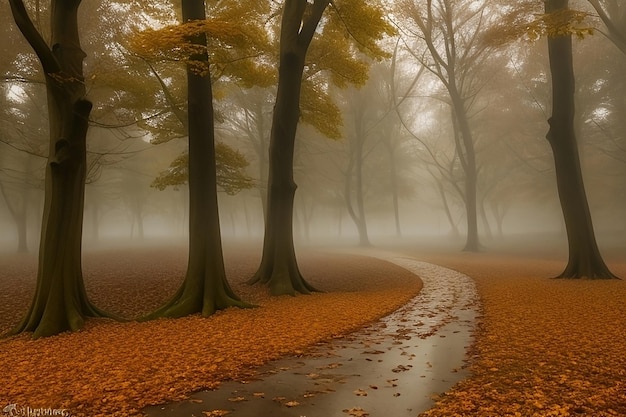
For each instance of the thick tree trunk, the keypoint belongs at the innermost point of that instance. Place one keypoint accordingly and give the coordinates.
(60, 301)
(205, 289)
(279, 268)
(584, 256)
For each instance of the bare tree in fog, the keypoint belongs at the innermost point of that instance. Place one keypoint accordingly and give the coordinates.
(451, 33)
(250, 117)
(23, 154)
(613, 15)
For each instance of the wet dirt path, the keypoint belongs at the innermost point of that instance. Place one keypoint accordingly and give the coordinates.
(392, 367)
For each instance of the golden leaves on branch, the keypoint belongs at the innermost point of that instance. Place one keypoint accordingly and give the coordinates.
(561, 23)
(232, 45)
(527, 21)
(230, 165)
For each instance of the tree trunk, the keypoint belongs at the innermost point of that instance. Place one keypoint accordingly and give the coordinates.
(279, 268)
(60, 301)
(364, 239)
(485, 219)
(355, 168)
(584, 256)
(453, 228)
(394, 188)
(205, 289)
(358, 215)
(20, 215)
(467, 155)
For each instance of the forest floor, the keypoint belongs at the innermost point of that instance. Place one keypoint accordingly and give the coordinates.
(543, 347)
(116, 369)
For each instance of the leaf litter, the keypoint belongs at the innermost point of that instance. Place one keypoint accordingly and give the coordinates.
(116, 369)
(543, 347)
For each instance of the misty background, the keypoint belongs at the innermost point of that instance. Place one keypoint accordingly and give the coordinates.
(397, 131)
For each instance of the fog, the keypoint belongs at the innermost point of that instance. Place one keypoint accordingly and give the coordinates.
(394, 169)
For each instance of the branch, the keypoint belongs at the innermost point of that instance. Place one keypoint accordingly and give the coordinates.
(34, 38)
(615, 35)
(309, 26)
(20, 79)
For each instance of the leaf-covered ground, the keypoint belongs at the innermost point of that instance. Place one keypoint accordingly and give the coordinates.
(544, 347)
(115, 369)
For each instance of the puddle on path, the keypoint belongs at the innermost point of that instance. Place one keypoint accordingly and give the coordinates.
(390, 368)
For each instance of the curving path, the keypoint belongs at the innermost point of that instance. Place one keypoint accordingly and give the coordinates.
(392, 367)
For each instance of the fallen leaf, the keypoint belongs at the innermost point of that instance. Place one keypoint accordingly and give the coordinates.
(237, 399)
(216, 413)
(356, 412)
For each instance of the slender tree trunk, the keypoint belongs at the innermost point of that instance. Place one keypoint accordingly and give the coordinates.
(262, 153)
(205, 289)
(467, 155)
(584, 256)
(60, 301)
(364, 239)
(394, 190)
(95, 221)
(485, 219)
(357, 215)
(279, 268)
(453, 227)
(20, 215)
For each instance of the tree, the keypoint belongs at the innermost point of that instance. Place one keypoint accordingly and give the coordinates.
(451, 32)
(300, 20)
(230, 176)
(613, 15)
(205, 288)
(584, 256)
(60, 302)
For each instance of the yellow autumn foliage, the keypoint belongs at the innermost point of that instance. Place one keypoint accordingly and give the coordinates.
(527, 20)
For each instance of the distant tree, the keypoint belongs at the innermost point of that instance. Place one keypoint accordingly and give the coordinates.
(60, 301)
(613, 15)
(363, 22)
(452, 35)
(230, 165)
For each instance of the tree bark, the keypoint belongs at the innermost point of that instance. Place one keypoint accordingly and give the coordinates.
(60, 302)
(205, 288)
(585, 259)
(279, 268)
